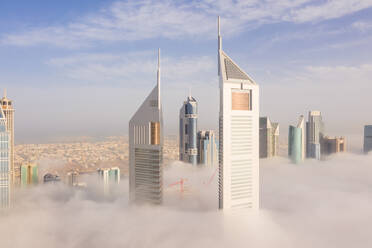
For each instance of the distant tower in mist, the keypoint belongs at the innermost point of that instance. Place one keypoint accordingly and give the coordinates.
(109, 177)
(146, 149)
(367, 138)
(269, 138)
(29, 174)
(5, 174)
(296, 141)
(8, 110)
(314, 134)
(238, 134)
(188, 131)
(207, 148)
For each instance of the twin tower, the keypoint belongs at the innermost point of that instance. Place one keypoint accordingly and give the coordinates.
(238, 140)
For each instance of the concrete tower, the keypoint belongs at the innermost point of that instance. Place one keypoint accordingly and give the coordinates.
(5, 180)
(188, 131)
(238, 134)
(8, 110)
(146, 149)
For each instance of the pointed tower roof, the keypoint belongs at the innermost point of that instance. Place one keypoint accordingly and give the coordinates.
(227, 68)
(158, 79)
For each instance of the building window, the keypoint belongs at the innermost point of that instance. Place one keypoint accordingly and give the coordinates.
(155, 133)
(241, 100)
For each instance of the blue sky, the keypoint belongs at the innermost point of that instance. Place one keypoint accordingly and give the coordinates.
(79, 68)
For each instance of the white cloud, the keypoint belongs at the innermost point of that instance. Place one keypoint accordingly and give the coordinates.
(146, 19)
(315, 204)
(362, 25)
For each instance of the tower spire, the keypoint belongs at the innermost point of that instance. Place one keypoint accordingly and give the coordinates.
(219, 44)
(158, 78)
(5, 93)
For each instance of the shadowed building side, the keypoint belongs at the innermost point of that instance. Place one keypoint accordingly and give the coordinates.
(146, 149)
(269, 138)
(367, 147)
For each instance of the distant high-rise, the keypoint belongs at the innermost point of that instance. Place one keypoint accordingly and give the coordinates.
(109, 176)
(72, 178)
(367, 138)
(5, 180)
(8, 110)
(188, 131)
(146, 149)
(238, 134)
(29, 174)
(50, 178)
(207, 148)
(333, 145)
(269, 138)
(296, 140)
(314, 134)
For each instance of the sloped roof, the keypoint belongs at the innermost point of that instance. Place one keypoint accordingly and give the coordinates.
(231, 70)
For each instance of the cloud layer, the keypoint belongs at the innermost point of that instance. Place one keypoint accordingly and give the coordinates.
(129, 20)
(316, 204)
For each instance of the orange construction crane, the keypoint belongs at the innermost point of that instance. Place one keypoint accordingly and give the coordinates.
(181, 183)
(212, 177)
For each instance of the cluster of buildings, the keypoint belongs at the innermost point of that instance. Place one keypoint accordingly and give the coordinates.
(195, 147)
(308, 139)
(243, 138)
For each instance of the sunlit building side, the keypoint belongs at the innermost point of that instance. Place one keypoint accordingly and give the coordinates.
(109, 176)
(238, 134)
(146, 149)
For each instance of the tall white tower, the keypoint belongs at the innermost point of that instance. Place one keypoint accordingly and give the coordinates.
(146, 149)
(239, 135)
(8, 110)
(5, 179)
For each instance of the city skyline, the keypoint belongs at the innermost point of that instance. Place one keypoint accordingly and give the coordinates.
(38, 68)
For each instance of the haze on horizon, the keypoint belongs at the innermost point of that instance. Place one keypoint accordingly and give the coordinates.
(82, 69)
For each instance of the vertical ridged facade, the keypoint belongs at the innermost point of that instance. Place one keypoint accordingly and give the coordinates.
(5, 175)
(239, 136)
(8, 110)
(146, 149)
(188, 131)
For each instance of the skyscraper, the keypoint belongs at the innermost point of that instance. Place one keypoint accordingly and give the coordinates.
(296, 141)
(367, 138)
(8, 110)
(29, 174)
(109, 176)
(238, 134)
(207, 148)
(333, 145)
(269, 138)
(314, 134)
(188, 131)
(146, 149)
(5, 181)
